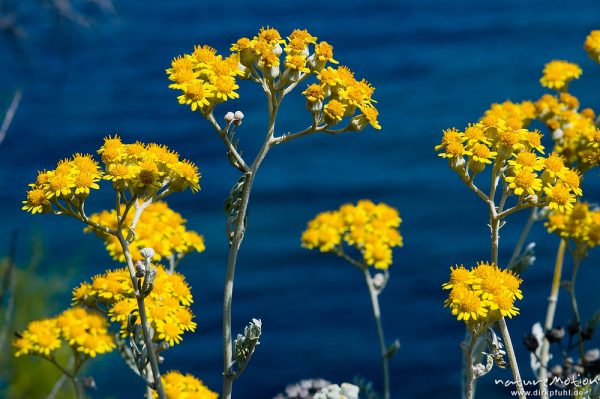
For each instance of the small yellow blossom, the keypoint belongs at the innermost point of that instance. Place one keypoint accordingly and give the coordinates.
(592, 45)
(558, 74)
(179, 386)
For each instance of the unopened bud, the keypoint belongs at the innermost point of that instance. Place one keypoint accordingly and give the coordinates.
(379, 280)
(140, 269)
(229, 117)
(557, 134)
(147, 253)
(239, 115)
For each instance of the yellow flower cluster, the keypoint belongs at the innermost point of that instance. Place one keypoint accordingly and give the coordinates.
(581, 224)
(483, 294)
(206, 79)
(344, 95)
(167, 306)
(592, 45)
(517, 151)
(141, 169)
(574, 131)
(84, 330)
(558, 74)
(71, 180)
(159, 228)
(372, 229)
(179, 386)
(523, 111)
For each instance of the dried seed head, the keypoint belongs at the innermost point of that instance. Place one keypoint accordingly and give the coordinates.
(530, 342)
(555, 334)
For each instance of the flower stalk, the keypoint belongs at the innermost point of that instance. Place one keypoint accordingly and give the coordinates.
(374, 295)
(550, 311)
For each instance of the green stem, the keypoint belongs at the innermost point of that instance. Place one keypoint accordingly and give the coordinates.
(374, 294)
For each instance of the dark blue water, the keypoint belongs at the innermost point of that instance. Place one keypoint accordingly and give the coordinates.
(435, 64)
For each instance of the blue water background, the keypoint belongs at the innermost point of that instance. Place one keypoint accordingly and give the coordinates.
(435, 64)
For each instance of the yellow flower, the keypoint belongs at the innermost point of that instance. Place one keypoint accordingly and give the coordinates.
(169, 332)
(455, 149)
(483, 294)
(524, 182)
(504, 303)
(167, 306)
(334, 110)
(554, 165)
(297, 62)
(59, 185)
(526, 160)
(580, 223)
(559, 197)
(196, 94)
(36, 201)
(592, 45)
(378, 254)
(558, 74)
(314, 93)
(179, 386)
(324, 52)
(370, 228)
(224, 87)
(84, 182)
(481, 153)
(459, 275)
(370, 115)
(466, 304)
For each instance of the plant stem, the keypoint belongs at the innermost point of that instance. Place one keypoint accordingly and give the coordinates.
(469, 387)
(495, 217)
(552, 300)
(576, 263)
(374, 294)
(236, 241)
(143, 317)
(512, 358)
(494, 226)
(228, 294)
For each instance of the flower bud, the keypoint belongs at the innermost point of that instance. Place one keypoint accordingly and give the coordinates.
(272, 72)
(229, 117)
(140, 269)
(147, 253)
(379, 280)
(557, 134)
(238, 115)
(314, 106)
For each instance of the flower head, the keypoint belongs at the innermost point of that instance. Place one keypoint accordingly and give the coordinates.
(370, 228)
(558, 74)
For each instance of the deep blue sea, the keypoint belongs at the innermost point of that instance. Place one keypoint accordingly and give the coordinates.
(435, 64)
